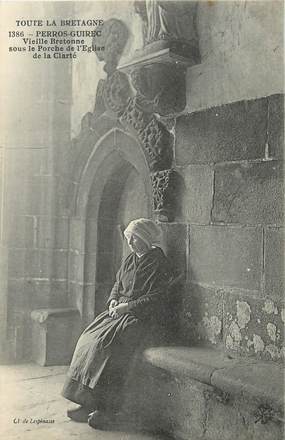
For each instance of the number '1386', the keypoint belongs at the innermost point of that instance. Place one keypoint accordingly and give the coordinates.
(16, 34)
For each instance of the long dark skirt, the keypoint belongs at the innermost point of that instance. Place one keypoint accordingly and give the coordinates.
(101, 362)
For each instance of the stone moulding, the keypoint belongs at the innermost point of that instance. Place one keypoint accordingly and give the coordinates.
(156, 140)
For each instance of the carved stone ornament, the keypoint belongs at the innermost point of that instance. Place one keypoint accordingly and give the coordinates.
(134, 115)
(164, 189)
(265, 414)
(156, 140)
(116, 92)
(114, 36)
(157, 143)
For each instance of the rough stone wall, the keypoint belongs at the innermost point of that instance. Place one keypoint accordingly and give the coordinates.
(230, 159)
(241, 45)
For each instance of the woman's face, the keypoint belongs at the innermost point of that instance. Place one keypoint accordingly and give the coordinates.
(137, 245)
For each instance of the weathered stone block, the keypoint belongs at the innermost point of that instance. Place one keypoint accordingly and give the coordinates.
(25, 163)
(174, 242)
(201, 393)
(77, 234)
(258, 383)
(196, 194)
(91, 235)
(76, 266)
(16, 202)
(38, 263)
(25, 293)
(178, 405)
(58, 296)
(20, 231)
(226, 256)
(201, 318)
(276, 125)
(33, 124)
(59, 194)
(249, 193)
(54, 335)
(90, 264)
(52, 232)
(272, 430)
(187, 408)
(188, 362)
(19, 296)
(16, 263)
(38, 291)
(230, 132)
(60, 264)
(253, 327)
(76, 294)
(225, 421)
(274, 262)
(38, 196)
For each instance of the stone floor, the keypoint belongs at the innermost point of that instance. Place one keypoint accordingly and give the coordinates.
(29, 393)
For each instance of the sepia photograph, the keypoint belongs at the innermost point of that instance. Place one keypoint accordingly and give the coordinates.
(142, 220)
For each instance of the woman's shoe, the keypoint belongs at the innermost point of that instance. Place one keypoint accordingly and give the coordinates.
(79, 414)
(106, 420)
(98, 420)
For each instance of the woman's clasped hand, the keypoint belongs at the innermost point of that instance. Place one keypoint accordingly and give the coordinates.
(116, 310)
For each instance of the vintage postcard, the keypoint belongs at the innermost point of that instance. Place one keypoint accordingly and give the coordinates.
(142, 220)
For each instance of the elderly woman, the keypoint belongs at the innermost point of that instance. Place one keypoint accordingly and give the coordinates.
(136, 306)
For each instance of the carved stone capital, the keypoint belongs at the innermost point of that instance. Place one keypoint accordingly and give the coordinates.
(162, 85)
(155, 139)
(157, 143)
(134, 116)
(163, 190)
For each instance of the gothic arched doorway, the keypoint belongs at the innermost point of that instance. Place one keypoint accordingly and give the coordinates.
(114, 188)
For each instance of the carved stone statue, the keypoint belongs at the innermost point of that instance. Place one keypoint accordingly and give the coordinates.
(167, 20)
